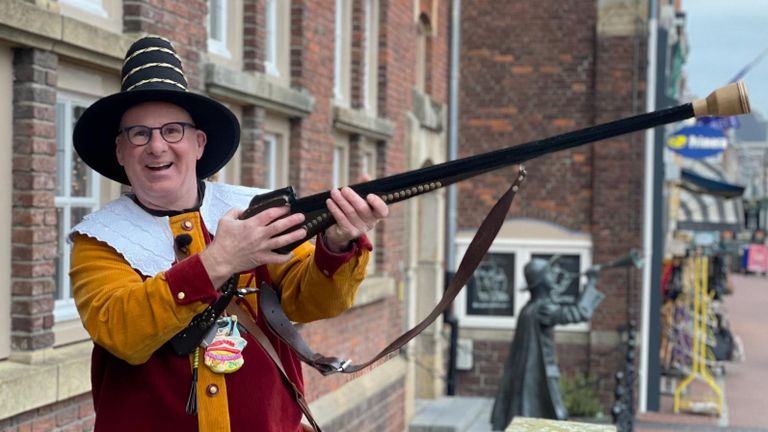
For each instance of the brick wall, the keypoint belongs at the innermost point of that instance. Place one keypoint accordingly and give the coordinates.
(254, 34)
(381, 413)
(34, 215)
(534, 70)
(361, 332)
(252, 171)
(183, 22)
(526, 74)
(489, 358)
(73, 415)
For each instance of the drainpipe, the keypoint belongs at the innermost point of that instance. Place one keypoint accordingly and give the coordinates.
(450, 225)
(648, 307)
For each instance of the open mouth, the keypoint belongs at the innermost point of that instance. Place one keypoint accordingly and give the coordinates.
(159, 167)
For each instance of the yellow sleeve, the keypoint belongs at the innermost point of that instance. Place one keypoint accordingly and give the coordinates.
(307, 294)
(129, 316)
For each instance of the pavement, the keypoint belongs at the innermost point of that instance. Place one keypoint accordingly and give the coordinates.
(744, 383)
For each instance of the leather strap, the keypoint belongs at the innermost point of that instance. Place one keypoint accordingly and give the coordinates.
(246, 318)
(269, 301)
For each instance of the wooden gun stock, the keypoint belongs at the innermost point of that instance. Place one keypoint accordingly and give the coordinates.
(729, 100)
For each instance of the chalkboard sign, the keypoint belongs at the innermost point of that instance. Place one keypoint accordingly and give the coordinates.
(570, 265)
(491, 290)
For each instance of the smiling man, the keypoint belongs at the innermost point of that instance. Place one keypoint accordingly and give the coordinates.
(147, 263)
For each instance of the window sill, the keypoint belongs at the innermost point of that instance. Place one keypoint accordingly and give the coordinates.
(34, 26)
(375, 288)
(360, 122)
(254, 88)
(35, 379)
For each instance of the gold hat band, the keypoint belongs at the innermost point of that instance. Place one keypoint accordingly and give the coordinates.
(148, 49)
(138, 68)
(156, 80)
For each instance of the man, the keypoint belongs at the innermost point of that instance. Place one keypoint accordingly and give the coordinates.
(530, 386)
(147, 263)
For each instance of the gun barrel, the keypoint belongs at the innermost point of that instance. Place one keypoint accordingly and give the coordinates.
(729, 100)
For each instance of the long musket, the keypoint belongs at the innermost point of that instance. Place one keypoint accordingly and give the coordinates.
(729, 100)
(726, 101)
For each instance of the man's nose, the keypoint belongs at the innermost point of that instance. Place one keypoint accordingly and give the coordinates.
(157, 143)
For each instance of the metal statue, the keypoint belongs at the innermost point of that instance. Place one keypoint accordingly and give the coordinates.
(530, 386)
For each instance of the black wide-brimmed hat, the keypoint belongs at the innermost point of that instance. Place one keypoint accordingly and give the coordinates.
(152, 72)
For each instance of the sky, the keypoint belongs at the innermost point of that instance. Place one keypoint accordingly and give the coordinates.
(724, 36)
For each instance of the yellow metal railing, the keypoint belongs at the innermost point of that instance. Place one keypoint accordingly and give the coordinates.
(696, 276)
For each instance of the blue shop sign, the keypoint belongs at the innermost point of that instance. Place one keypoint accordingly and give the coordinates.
(698, 142)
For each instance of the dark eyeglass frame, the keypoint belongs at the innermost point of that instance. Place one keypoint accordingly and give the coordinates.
(126, 131)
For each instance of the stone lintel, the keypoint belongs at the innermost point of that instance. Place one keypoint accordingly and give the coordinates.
(253, 88)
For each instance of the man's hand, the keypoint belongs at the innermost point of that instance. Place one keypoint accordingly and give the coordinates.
(241, 245)
(354, 216)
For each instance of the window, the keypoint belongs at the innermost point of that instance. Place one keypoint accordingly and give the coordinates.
(571, 266)
(271, 161)
(422, 53)
(217, 27)
(95, 7)
(77, 194)
(368, 167)
(274, 152)
(270, 44)
(341, 62)
(490, 292)
(277, 39)
(496, 293)
(340, 164)
(371, 63)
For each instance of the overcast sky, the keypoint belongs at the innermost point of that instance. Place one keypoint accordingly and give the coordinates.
(724, 36)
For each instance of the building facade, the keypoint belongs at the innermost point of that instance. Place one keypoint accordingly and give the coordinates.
(326, 92)
(531, 71)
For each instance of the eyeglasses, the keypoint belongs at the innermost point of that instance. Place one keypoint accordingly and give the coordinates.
(140, 135)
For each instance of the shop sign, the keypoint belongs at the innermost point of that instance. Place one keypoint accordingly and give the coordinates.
(757, 259)
(698, 142)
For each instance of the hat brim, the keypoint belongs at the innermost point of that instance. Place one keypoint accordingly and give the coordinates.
(96, 129)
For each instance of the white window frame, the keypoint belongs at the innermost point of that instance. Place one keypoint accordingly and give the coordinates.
(221, 17)
(523, 250)
(342, 39)
(371, 65)
(271, 38)
(369, 166)
(421, 56)
(271, 160)
(64, 307)
(94, 7)
(340, 163)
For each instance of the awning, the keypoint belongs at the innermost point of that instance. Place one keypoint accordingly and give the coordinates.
(700, 184)
(707, 201)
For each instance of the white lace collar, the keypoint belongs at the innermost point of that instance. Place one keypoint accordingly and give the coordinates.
(146, 241)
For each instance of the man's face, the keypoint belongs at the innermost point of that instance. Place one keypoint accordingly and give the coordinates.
(162, 174)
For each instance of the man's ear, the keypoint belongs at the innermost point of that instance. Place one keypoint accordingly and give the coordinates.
(202, 139)
(119, 151)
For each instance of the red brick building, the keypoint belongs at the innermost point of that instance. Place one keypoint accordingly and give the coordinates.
(531, 70)
(325, 91)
